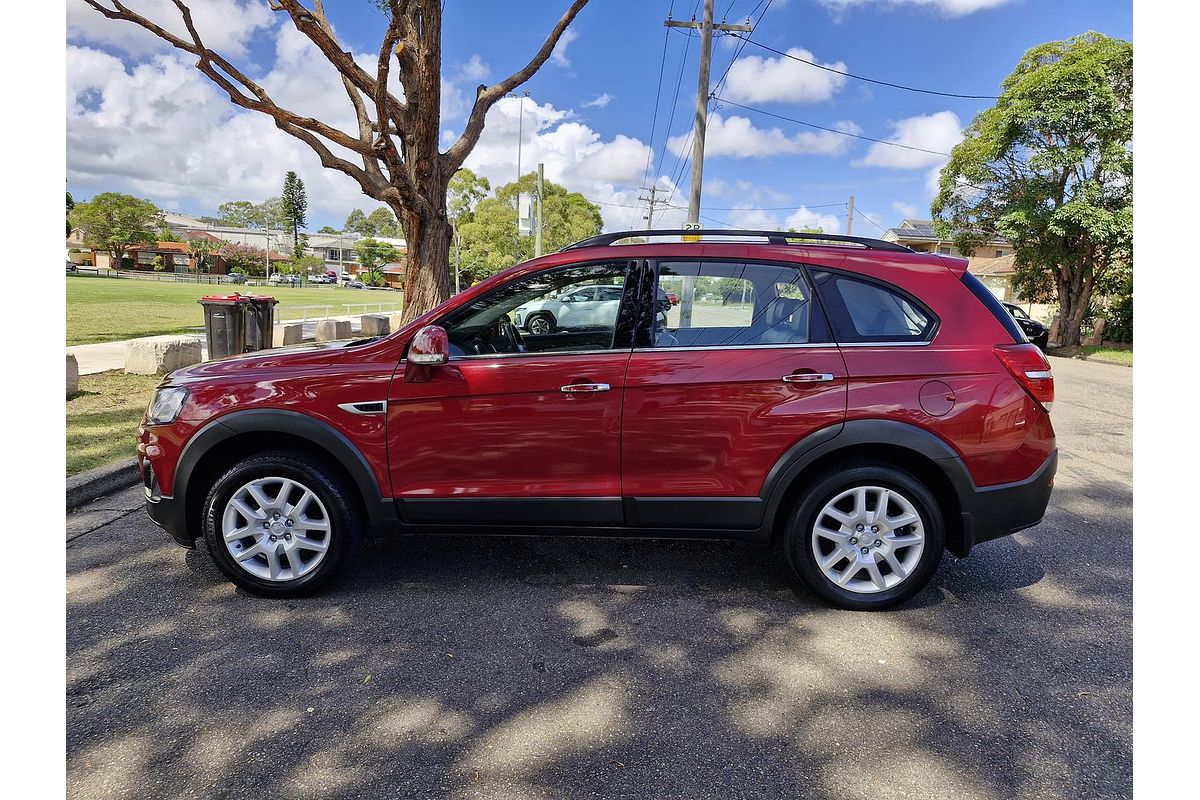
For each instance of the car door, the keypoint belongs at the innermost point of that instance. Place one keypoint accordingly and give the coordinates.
(712, 405)
(520, 432)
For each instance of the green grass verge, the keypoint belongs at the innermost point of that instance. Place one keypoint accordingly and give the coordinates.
(102, 420)
(1108, 354)
(112, 309)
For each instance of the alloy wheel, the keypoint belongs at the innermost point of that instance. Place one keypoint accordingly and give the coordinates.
(868, 539)
(276, 529)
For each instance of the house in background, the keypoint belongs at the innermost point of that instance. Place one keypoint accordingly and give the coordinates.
(992, 262)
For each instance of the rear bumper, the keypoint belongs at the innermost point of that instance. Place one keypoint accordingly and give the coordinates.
(994, 511)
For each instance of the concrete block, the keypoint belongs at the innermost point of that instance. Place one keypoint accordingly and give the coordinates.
(158, 355)
(72, 375)
(394, 320)
(285, 335)
(329, 330)
(374, 325)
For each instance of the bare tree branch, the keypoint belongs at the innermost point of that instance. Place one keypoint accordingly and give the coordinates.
(487, 96)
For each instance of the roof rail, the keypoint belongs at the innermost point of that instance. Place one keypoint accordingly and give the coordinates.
(772, 237)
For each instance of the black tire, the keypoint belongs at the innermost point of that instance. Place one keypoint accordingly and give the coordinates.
(341, 506)
(542, 317)
(826, 487)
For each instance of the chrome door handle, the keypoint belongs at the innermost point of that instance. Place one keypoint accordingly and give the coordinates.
(807, 377)
(580, 388)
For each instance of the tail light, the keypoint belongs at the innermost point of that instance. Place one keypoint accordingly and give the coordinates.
(1031, 369)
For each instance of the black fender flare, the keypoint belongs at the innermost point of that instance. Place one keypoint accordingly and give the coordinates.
(829, 440)
(380, 510)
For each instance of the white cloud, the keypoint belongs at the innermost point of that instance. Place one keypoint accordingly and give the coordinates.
(475, 69)
(600, 101)
(559, 54)
(755, 79)
(608, 172)
(751, 218)
(937, 132)
(744, 190)
(905, 210)
(948, 8)
(226, 25)
(737, 137)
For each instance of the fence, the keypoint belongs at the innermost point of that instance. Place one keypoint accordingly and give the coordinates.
(307, 313)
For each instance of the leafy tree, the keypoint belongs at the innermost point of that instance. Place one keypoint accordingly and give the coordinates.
(1050, 168)
(328, 229)
(394, 151)
(302, 265)
(70, 205)
(165, 234)
(201, 248)
(294, 206)
(464, 192)
(374, 256)
(115, 222)
(489, 237)
(357, 223)
(158, 264)
(269, 214)
(237, 214)
(244, 258)
(381, 222)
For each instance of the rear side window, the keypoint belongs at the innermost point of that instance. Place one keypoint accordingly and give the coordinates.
(866, 311)
(993, 304)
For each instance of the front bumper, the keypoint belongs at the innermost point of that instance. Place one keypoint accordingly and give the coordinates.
(994, 511)
(164, 512)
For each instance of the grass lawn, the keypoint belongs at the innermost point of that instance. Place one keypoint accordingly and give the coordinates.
(102, 419)
(108, 309)
(1108, 354)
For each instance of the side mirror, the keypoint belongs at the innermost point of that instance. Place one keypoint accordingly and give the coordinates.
(430, 347)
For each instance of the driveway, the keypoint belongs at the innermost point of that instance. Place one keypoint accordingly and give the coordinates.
(543, 668)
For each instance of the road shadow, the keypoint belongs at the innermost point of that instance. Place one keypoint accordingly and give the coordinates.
(543, 667)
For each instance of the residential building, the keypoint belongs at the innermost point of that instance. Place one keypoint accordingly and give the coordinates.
(992, 261)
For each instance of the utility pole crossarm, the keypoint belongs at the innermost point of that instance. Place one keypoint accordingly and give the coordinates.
(698, 25)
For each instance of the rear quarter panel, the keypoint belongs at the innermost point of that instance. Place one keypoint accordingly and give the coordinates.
(1001, 434)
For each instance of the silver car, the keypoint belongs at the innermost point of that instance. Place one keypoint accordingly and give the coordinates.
(585, 307)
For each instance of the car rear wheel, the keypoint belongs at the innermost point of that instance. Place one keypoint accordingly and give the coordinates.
(278, 525)
(866, 538)
(540, 324)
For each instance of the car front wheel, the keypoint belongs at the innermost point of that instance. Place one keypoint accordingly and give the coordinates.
(866, 538)
(540, 324)
(279, 525)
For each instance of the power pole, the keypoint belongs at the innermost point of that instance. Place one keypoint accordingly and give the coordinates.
(537, 233)
(702, 97)
(850, 218)
(652, 199)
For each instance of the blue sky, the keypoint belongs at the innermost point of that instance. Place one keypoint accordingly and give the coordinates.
(140, 119)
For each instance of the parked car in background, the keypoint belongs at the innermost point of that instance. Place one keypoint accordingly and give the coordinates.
(862, 405)
(71, 266)
(279, 279)
(236, 277)
(1036, 332)
(586, 307)
(355, 284)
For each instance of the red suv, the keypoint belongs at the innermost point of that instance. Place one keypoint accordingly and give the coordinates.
(865, 404)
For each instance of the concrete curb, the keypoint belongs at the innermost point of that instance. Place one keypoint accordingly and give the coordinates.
(101, 481)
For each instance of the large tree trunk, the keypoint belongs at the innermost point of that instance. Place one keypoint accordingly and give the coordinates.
(1073, 298)
(427, 268)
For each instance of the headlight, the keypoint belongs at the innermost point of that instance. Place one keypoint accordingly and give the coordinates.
(166, 405)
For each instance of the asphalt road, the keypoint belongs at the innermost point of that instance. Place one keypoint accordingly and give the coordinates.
(543, 668)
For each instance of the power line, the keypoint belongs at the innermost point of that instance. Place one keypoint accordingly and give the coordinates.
(832, 130)
(657, 97)
(675, 102)
(866, 79)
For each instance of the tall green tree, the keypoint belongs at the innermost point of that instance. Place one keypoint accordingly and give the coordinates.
(269, 215)
(1050, 167)
(328, 229)
(357, 223)
(237, 214)
(70, 205)
(382, 222)
(115, 222)
(201, 249)
(464, 192)
(294, 205)
(489, 236)
(374, 256)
